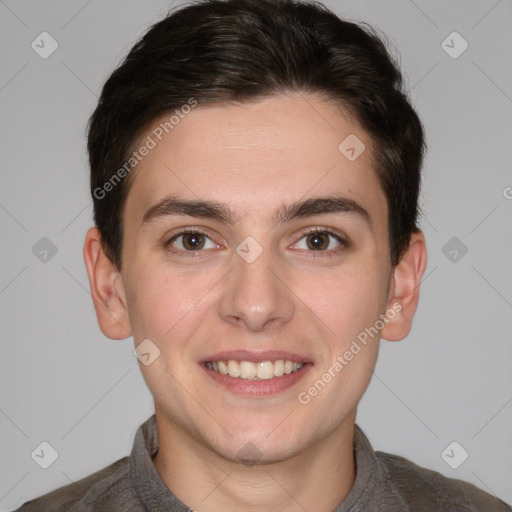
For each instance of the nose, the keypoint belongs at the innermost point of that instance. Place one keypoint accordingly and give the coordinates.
(255, 294)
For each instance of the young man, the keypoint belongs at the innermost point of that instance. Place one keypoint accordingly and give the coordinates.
(255, 168)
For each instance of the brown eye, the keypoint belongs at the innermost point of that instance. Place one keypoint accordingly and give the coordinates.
(321, 241)
(317, 241)
(193, 241)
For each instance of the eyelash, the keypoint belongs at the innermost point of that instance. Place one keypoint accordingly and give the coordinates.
(310, 253)
(328, 253)
(188, 231)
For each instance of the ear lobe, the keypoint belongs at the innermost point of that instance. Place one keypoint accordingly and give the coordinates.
(107, 289)
(405, 288)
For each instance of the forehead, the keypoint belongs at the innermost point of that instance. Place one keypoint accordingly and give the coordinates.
(257, 156)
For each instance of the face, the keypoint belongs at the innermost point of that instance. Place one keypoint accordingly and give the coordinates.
(251, 242)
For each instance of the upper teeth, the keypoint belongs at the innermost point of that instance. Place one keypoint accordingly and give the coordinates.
(250, 370)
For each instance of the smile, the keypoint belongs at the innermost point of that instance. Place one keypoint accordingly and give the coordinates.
(249, 370)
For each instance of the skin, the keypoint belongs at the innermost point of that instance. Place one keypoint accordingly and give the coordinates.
(254, 158)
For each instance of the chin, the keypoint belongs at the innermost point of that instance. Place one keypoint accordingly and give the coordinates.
(263, 445)
(258, 454)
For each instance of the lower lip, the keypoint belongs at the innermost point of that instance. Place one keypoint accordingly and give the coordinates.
(264, 387)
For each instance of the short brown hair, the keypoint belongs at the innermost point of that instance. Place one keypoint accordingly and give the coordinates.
(240, 50)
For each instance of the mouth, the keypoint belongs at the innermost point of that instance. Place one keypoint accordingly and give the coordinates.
(248, 370)
(256, 374)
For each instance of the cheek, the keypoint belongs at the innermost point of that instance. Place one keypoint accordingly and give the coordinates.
(165, 305)
(156, 304)
(347, 302)
(349, 305)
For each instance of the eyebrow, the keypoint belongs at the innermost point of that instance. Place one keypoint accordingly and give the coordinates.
(170, 206)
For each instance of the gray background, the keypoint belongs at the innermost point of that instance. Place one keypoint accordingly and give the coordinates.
(63, 382)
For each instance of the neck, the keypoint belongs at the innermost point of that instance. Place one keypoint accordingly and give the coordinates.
(319, 478)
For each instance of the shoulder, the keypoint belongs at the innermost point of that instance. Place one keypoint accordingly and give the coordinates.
(107, 487)
(420, 487)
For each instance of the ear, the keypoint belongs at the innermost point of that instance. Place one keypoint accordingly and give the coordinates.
(107, 289)
(405, 289)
